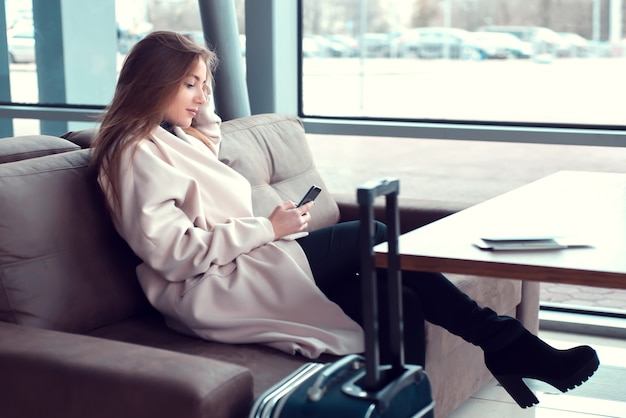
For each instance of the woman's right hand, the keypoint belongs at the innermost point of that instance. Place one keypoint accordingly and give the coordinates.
(288, 219)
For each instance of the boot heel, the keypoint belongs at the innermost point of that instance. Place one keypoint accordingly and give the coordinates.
(518, 390)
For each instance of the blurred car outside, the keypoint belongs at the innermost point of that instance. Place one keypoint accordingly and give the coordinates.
(454, 43)
(371, 45)
(376, 44)
(514, 47)
(572, 45)
(405, 44)
(345, 46)
(21, 44)
(436, 42)
(335, 46)
(544, 41)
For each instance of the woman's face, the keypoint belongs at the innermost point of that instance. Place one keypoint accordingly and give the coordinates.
(190, 96)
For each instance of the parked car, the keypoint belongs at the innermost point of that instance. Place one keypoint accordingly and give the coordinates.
(343, 46)
(514, 47)
(454, 43)
(572, 45)
(339, 46)
(543, 40)
(376, 44)
(21, 45)
(406, 43)
(335, 46)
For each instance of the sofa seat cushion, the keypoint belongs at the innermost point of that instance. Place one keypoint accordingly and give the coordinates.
(272, 152)
(267, 365)
(62, 264)
(56, 374)
(31, 146)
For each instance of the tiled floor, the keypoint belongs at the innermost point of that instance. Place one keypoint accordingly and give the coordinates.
(493, 401)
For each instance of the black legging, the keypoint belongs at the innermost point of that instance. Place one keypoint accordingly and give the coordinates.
(333, 255)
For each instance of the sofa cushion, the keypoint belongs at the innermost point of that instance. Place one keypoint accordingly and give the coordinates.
(62, 264)
(272, 152)
(30, 146)
(267, 365)
(56, 374)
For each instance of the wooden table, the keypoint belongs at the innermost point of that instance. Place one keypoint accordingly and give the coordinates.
(587, 207)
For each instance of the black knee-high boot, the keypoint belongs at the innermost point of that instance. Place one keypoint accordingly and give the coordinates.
(511, 352)
(445, 305)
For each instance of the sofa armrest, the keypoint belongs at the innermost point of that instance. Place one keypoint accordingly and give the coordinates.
(55, 374)
(414, 213)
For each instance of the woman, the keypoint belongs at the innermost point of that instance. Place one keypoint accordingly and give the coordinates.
(216, 271)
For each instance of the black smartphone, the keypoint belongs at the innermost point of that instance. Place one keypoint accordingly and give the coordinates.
(310, 195)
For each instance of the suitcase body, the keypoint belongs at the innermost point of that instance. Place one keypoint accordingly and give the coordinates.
(355, 385)
(316, 390)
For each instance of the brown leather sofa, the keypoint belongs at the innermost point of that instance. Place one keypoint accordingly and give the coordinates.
(77, 336)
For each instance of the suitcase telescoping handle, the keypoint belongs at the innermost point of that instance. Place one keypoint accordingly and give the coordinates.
(366, 194)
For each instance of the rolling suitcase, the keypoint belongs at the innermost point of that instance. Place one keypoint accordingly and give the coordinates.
(355, 385)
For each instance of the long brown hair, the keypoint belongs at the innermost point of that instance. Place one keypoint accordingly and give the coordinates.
(150, 78)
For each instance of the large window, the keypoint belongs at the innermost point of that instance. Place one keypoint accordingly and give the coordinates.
(513, 61)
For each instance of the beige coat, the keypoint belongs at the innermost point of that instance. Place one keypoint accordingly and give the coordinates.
(210, 266)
